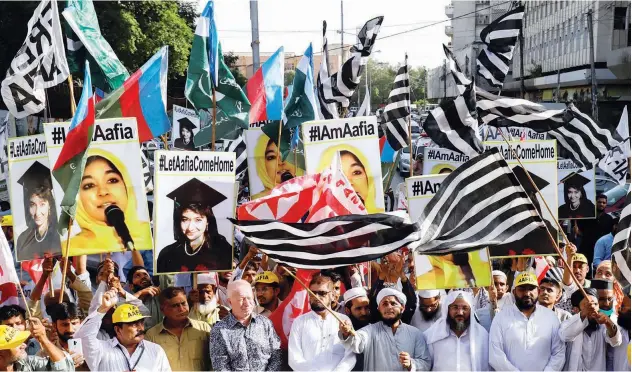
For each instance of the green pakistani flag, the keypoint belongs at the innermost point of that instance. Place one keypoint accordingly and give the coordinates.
(82, 19)
(77, 56)
(233, 106)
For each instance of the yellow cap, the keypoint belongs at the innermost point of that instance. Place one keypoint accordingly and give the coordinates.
(527, 278)
(7, 220)
(127, 313)
(11, 338)
(579, 258)
(267, 277)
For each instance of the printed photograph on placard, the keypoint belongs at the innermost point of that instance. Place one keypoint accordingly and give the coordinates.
(356, 139)
(438, 160)
(540, 161)
(111, 195)
(186, 124)
(265, 169)
(194, 196)
(458, 270)
(577, 195)
(32, 199)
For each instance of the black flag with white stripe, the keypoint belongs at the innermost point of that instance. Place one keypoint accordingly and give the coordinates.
(238, 146)
(340, 86)
(499, 40)
(332, 242)
(480, 204)
(397, 111)
(621, 247)
(327, 110)
(459, 77)
(587, 141)
(453, 125)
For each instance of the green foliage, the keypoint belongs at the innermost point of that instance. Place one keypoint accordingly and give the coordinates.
(231, 61)
(288, 77)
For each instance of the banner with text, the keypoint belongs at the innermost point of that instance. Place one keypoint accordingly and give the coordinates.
(112, 181)
(438, 160)
(576, 191)
(540, 159)
(356, 139)
(32, 199)
(185, 125)
(458, 270)
(194, 194)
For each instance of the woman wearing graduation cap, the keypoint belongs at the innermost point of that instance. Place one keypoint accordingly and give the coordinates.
(41, 236)
(198, 246)
(576, 204)
(185, 142)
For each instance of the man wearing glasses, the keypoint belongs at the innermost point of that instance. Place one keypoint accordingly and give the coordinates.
(429, 310)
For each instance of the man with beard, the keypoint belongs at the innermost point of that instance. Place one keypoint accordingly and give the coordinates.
(621, 360)
(13, 356)
(498, 297)
(429, 309)
(128, 350)
(313, 344)
(143, 288)
(336, 278)
(185, 340)
(357, 308)
(550, 294)
(203, 300)
(389, 344)
(525, 336)
(66, 319)
(458, 335)
(588, 332)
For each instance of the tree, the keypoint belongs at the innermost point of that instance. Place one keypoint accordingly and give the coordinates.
(231, 61)
(288, 77)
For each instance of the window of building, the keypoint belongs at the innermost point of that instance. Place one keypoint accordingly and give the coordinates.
(619, 17)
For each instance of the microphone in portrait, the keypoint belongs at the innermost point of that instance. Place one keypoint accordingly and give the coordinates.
(116, 218)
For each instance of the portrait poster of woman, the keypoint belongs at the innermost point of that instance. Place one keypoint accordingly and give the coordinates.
(112, 178)
(266, 170)
(576, 192)
(186, 124)
(33, 202)
(192, 231)
(360, 160)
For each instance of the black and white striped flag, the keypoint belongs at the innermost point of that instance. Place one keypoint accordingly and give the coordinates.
(492, 109)
(397, 111)
(621, 246)
(327, 110)
(499, 40)
(332, 242)
(238, 146)
(586, 140)
(480, 204)
(459, 77)
(453, 125)
(340, 86)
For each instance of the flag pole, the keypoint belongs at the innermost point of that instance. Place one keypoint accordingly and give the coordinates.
(214, 121)
(63, 274)
(561, 230)
(28, 309)
(73, 105)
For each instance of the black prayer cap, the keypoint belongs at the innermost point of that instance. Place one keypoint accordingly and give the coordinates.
(576, 180)
(578, 296)
(601, 284)
(524, 179)
(37, 175)
(186, 123)
(196, 191)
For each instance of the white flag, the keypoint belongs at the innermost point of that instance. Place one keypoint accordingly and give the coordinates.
(624, 132)
(8, 277)
(615, 164)
(40, 63)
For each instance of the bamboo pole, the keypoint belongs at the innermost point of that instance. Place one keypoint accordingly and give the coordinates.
(26, 305)
(561, 230)
(63, 274)
(73, 105)
(214, 121)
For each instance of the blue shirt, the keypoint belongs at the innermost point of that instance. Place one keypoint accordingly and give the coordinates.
(603, 249)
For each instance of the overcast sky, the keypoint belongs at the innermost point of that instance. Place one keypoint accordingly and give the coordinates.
(293, 24)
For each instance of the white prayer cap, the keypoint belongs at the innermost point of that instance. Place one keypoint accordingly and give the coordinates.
(499, 273)
(431, 293)
(354, 293)
(385, 292)
(208, 278)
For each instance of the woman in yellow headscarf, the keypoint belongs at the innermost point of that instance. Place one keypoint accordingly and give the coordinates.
(267, 165)
(106, 182)
(355, 166)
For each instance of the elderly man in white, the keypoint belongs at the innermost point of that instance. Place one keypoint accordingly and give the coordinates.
(456, 341)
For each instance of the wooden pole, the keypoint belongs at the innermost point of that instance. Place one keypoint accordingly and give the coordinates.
(561, 230)
(28, 309)
(214, 121)
(63, 274)
(73, 105)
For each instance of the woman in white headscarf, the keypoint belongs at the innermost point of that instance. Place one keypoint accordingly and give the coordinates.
(456, 341)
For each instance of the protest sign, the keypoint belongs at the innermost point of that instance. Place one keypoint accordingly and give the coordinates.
(32, 199)
(438, 160)
(194, 195)
(459, 270)
(185, 125)
(576, 191)
(356, 139)
(540, 159)
(113, 176)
